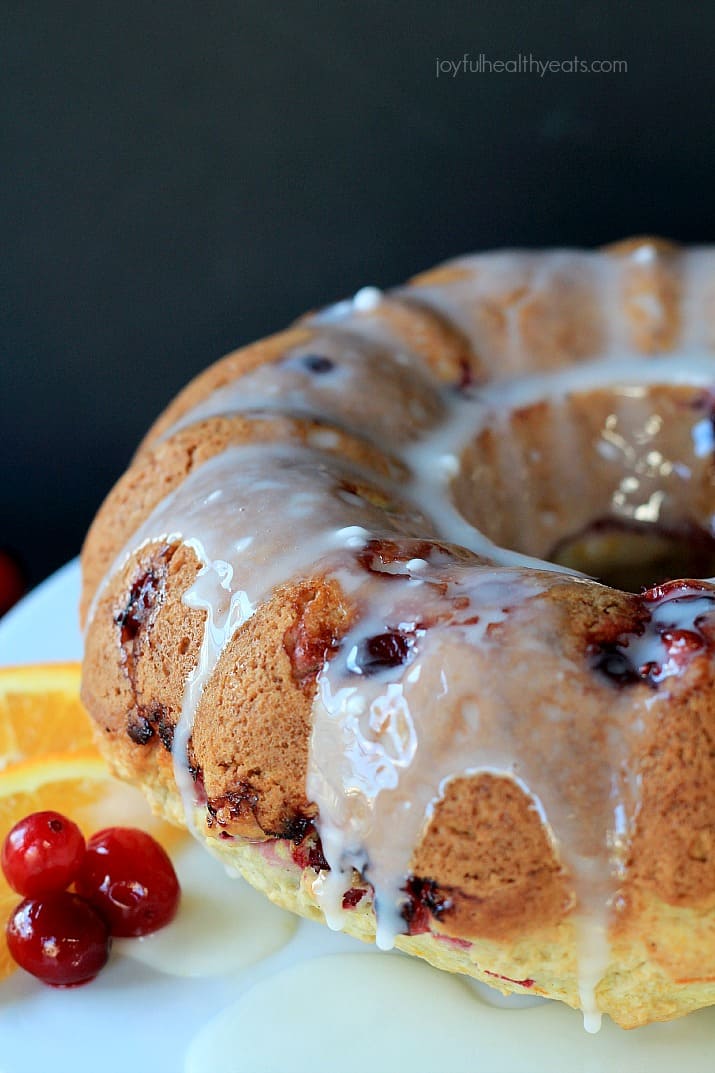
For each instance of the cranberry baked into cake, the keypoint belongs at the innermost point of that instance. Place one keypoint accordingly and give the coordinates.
(342, 619)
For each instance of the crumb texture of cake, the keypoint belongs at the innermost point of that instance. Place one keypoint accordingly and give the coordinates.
(405, 612)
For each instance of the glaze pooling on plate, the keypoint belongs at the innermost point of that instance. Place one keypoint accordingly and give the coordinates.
(210, 1014)
(223, 926)
(459, 1032)
(416, 694)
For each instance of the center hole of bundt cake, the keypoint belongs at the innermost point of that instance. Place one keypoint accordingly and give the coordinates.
(637, 556)
(616, 483)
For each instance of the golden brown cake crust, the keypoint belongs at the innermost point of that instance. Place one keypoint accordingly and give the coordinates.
(486, 871)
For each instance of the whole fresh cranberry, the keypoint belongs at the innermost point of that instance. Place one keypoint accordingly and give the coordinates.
(130, 879)
(42, 854)
(59, 938)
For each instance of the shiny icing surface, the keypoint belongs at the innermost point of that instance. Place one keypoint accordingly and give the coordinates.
(378, 756)
(230, 1021)
(259, 516)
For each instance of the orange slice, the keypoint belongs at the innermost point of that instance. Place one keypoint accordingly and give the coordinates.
(40, 711)
(72, 783)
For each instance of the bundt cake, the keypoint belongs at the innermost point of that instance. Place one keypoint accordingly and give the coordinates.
(401, 612)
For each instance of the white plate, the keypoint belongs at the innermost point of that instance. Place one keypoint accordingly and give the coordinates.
(312, 1001)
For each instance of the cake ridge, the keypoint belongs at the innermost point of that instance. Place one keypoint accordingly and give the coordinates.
(416, 404)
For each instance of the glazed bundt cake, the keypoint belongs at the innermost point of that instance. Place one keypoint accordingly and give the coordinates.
(401, 612)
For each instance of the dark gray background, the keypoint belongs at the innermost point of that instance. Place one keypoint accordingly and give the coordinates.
(177, 179)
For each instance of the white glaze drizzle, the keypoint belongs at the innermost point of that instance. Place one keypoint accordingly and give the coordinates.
(384, 749)
(672, 636)
(244, 555)
(379, 754)
(257, 516)
(340, 391)
(223, 924)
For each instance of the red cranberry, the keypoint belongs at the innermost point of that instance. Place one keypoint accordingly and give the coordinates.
(680, 641)
(318, 363)
(60, 939)
(352, 897)
(143, 597)
(423, 902)
(309, 854)
(128, 876)
(12, 582)
(378, 653)
(42, 854)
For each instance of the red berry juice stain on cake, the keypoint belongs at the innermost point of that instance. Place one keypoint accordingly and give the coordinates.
(423, 902)
(149, 719)
(144, 597)
(528, 982)
(353, 897)
(309, 643)
(239, 803)
(666, 640)
(452, 940)
(134, 620)
(307, 849)
(389, 559)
